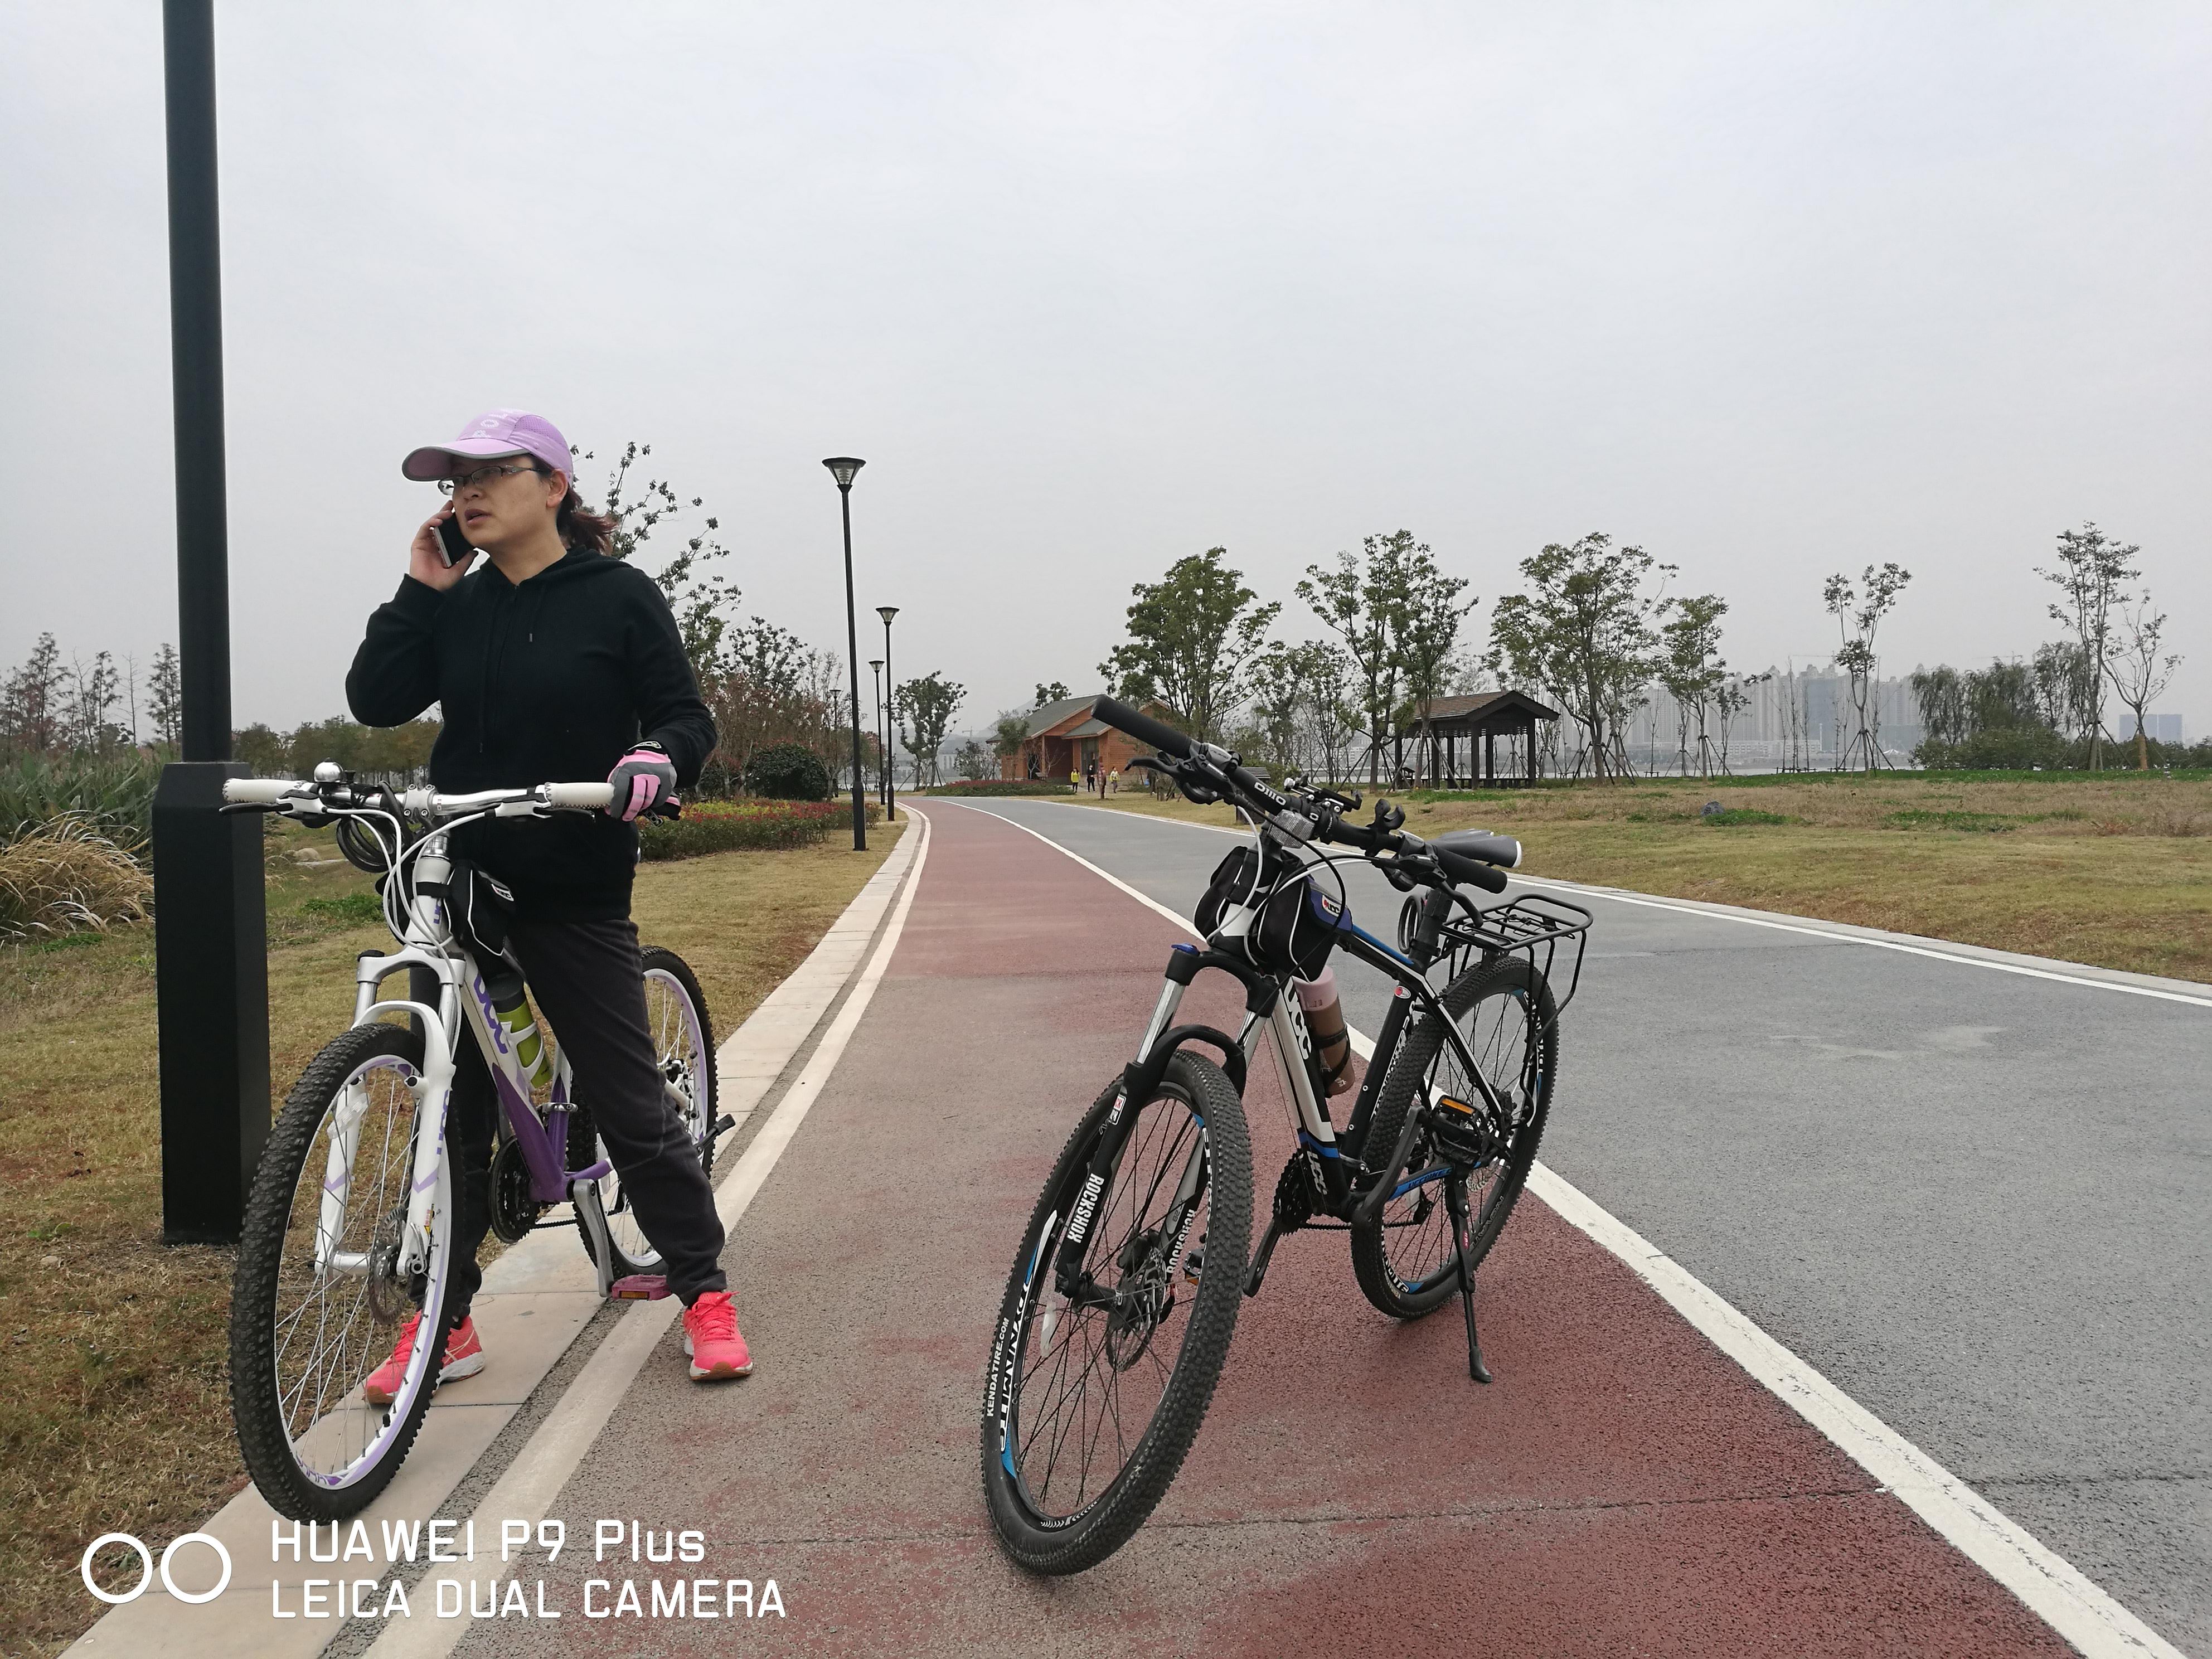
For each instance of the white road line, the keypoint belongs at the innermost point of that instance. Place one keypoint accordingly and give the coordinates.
(1779, 924)
(2052, 1588)
(533, 1481)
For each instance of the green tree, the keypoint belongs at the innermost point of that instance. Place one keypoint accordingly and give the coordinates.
(31, 702)
(926, 709)
(269, 755)
(1051, 692)
(1691, 669)
(1357, 601)
(1426, 607)
(165, 697)
(1583, 631)
(1192, 634)
(2091, 570)
(1008, 733)
(974, 762)
(1858, 610)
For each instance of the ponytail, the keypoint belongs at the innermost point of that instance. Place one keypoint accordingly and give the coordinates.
(580, 527)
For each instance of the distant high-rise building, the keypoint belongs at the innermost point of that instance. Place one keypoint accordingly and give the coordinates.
(2163, 728)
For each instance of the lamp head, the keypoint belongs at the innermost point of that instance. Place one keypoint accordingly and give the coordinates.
(887, 612)
(843, 467)
(876, 663)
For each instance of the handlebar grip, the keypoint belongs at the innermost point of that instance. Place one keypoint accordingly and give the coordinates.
(1142, 727)
(1467, 871)
(258, 792)
(1501, 850)
(580, 794)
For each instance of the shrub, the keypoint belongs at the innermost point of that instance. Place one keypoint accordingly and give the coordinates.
(114, 795)
(65, 877)
(1003, 787)
(729, 826)
(787, 771)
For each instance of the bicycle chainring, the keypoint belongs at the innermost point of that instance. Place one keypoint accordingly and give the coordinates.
(514, 1207)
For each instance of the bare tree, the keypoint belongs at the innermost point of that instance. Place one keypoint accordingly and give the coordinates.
(2139, 673)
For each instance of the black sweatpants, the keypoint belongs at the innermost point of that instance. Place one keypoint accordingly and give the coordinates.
(588, 981)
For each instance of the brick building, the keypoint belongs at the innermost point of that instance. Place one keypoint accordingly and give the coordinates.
(1064, 738)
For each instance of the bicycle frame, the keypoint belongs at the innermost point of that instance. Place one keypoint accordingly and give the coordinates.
(464, 1002)
(1272, 1012)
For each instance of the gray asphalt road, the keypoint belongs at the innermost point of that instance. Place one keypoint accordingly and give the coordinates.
(1979, 1201)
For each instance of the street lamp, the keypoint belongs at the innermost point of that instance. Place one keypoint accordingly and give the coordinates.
(890, 712)
(876, 667)
(841, 468)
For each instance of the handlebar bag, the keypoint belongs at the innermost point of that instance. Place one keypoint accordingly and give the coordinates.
(1235, 881)
(478, 907)
(1299, 924)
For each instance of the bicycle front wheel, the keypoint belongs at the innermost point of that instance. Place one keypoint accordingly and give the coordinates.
(1406, 1263)
(1092, 1401)
(684, 1049)
(322, 1285)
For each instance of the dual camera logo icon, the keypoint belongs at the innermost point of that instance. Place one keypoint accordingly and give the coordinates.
(146, 1563)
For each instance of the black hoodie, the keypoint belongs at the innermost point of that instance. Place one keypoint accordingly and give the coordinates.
(551, 682)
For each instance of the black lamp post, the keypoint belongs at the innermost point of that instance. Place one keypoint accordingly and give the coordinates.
(841, 468)
(876, 668)
(890, 714)
(210, 946)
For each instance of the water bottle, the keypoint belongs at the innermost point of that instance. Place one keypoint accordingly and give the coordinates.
(1325, 1023)
(513, 1009)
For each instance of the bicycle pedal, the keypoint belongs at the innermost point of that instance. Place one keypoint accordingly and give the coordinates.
(722, 1125)
(638, 1287)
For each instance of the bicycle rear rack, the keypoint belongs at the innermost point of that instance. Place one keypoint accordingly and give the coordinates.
(1532, 922)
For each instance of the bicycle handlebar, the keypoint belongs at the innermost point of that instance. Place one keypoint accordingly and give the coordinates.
(426, 802)
(1474, 861)
(1142, 727)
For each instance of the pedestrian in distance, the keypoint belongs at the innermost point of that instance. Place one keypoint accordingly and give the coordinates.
(1114, 780)
(552, 661)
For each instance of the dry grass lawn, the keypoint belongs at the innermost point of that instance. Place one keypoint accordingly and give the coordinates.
(2113, 868)
(114, 1411)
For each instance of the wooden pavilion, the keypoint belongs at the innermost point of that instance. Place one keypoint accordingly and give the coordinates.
(1439, 727)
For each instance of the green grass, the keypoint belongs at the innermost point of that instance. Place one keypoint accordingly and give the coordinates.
(352, 909)
(1739, 815)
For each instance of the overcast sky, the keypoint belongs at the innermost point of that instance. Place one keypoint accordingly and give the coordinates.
(1772, 290)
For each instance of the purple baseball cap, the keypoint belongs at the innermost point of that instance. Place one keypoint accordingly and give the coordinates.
(494, 433)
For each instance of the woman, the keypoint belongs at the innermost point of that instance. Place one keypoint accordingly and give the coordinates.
(554, 662)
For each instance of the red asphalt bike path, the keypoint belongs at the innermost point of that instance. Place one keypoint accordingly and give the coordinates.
(1623, 1487)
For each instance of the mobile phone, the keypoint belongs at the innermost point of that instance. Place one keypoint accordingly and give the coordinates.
(455, 546)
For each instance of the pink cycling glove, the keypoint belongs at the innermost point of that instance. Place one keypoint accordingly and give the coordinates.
(642, 779)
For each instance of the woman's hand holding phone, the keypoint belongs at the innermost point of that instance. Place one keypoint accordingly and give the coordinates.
(425, 558)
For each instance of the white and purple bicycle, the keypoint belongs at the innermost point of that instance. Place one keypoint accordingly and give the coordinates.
(350, 1226)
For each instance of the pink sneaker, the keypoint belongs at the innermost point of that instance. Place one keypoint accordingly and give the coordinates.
(465, 1357)
(710, 1337)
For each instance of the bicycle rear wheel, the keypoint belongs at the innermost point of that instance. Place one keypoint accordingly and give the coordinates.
(318, 1294)
(1502, 1008)
(684, 1047)
(1091, 1404)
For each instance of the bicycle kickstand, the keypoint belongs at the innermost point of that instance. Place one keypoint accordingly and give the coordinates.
(1456, 1202)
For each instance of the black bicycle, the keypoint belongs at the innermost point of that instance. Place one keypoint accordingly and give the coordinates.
(1124, 1292)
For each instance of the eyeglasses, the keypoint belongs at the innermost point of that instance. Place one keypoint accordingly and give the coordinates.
(481, 478)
